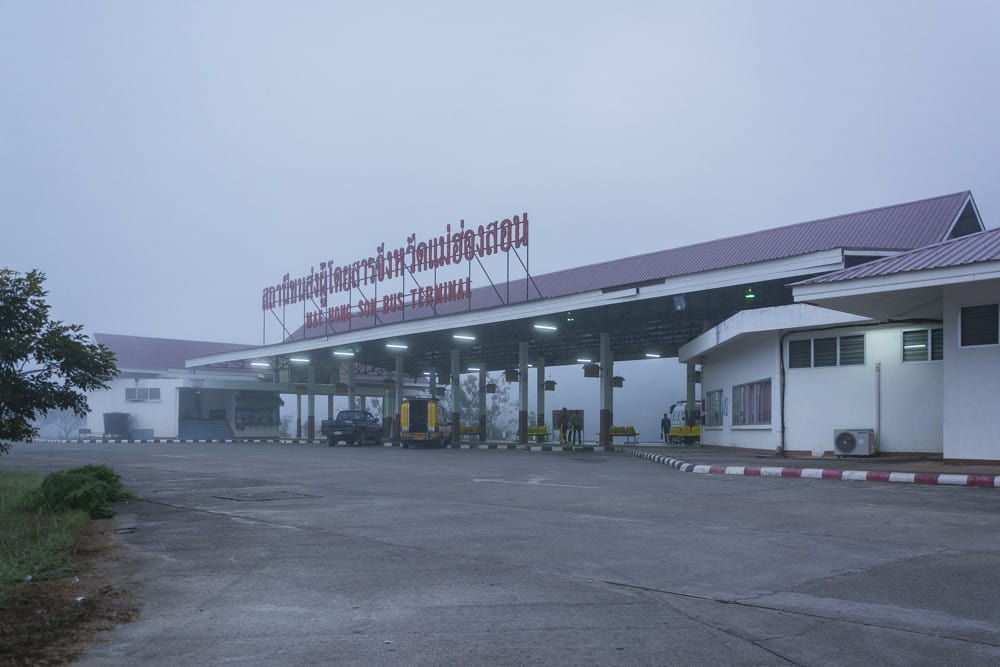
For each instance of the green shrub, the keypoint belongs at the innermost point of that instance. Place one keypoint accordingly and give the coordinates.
(91, 488)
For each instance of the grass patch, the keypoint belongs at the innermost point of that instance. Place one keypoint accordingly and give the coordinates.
(36, 543)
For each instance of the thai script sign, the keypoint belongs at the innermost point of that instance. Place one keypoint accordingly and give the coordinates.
(461, 244)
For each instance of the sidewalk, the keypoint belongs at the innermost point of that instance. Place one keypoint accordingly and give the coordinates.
(886, 468)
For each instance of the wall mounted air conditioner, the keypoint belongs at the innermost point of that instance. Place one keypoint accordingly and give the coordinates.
(854, 442)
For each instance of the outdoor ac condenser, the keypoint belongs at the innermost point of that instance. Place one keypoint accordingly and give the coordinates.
(854, 442)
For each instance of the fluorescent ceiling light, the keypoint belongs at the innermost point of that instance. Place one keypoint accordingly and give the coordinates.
(546, 327)
(584, 361)
(472, 368)
(343, 353)
(652, 355)
(260, 364)
(396, 346)
(463, 337)
(299, 360)
(918, 346)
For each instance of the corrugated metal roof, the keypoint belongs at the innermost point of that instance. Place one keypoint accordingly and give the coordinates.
(159, 353)
(894, 228)
(981, 247)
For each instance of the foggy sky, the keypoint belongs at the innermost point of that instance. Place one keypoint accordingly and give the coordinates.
(163, 161)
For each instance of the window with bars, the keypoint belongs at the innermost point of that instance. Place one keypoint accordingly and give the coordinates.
(923, 345)
(980, 325)
(752, 403)
(827, 351)
(713, 408)
(142, 393)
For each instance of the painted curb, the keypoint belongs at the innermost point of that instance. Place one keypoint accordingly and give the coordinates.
(985, 481)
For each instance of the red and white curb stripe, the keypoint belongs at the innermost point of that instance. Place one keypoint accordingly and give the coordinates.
(991, 481)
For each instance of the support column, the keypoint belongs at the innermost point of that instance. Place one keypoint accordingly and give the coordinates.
(482, 404)
(607, 395)
(522, 392)
(689, 408)
(432, 384)
(397, 400)
(298, 413)
(456, 405)
(540, 393)
(352, 387)
(311, 402)
(329, 406)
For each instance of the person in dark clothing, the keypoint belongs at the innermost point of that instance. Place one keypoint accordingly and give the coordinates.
(665, 427)
(576, 426)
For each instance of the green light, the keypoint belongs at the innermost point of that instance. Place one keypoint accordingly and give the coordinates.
(749, 294)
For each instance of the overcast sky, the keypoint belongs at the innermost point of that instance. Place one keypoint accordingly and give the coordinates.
(163, 161)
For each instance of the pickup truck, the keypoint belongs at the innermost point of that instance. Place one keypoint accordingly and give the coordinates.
(354, 427)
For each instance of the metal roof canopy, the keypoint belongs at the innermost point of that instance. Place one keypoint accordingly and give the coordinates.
(636, 299)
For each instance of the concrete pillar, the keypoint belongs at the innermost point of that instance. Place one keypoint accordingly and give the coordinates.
(298, 413)
(607, 395)
(352, 386)
(540, 392)
(311, 403)
(432, 384)
(689, 409)
(329, 406)
(482, 403)
(522, 392)
(456, 405)
(397, 404)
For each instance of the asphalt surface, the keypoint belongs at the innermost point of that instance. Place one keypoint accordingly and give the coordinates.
(305, 554)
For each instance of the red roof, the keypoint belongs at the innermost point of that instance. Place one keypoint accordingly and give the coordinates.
(895, 228)
(971, 249)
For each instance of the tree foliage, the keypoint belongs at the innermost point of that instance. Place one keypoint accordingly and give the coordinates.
(45, 365)
(501, 409)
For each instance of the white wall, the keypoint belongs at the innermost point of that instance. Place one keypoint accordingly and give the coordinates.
(819, 401)
(971, 379)
(161, 416)
(747, 359)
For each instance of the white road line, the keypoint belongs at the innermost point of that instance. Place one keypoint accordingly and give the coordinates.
(535, 483)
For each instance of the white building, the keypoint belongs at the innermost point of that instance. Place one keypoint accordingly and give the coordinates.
(958, 284)
(788, 378)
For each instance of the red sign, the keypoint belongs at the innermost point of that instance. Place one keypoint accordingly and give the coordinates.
(453, 247)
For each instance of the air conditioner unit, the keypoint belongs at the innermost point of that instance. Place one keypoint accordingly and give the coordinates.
(854, 442)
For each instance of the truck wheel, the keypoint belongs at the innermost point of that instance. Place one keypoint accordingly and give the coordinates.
(330, 441)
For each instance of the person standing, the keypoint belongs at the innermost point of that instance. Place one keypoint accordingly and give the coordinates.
(665, 428)
(576, 423)
(563, 424)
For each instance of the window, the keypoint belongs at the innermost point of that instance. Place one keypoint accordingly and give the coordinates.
(142, 393)
(800, 353)
(713, 408)
(828, 351)
(752, 403)
(980, 325)
(923, 345)
(852, 350)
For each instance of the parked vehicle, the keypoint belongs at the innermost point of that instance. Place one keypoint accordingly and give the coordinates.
(423, 420)
(354, 427)
(684, 429)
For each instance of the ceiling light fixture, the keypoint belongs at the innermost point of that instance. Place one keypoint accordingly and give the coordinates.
(396, 346)
(343, 353)
(260, 364)
(547, 327)
(298, 360)
(652, 355)
(463, 337)
(584, 361)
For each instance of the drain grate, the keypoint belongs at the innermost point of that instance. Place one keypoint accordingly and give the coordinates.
(264, 496)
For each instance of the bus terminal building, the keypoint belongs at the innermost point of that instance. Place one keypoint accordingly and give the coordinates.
(882, 321)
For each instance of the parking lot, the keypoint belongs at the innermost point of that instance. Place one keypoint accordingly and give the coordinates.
(305, 554)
